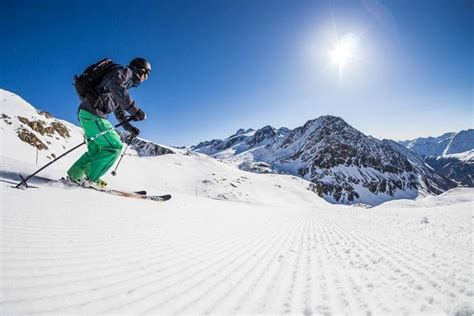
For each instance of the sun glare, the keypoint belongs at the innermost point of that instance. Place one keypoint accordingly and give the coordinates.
(344, 50)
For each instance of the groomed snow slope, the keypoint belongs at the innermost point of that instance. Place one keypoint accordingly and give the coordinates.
(77, 251)
(228, 242)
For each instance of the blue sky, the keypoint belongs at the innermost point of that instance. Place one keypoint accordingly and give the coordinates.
(222, 65)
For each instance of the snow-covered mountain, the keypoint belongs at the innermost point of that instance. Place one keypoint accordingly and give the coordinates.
(30, 134)
(82, 252)
(228, 242)
(344, 165)
(243, 140)
(145, 148)
(461, 142)
(458, 167)
(450, 154)
(341, 164)
(448, 143)
(36, 136)
(146, 165)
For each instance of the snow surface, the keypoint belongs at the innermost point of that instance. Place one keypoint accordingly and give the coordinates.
(10, 146)
(467, 156)
(311, 151)
(228, 242)
(461, 142)
(77, 251)
(446, 144)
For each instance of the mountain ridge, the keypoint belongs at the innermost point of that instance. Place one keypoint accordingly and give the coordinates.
(445, 154)
(344, 165)
(448, 143)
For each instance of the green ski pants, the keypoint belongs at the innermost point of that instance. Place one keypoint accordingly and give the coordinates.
(101, 152)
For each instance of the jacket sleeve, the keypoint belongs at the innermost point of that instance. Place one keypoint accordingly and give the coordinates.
(120, 115)
(119, 92)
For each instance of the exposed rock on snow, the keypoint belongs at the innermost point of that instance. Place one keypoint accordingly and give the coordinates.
(229, 241)
(257, 167)
(91, 253)
(40, 131)
(41, 136)
(30, 138)
(241, 141)
(145, 148)
(345, 165)
(447, 154)
(461, 142)
(458, 167)
(449, 143)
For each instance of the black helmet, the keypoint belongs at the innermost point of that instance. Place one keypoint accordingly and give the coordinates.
(140, 66)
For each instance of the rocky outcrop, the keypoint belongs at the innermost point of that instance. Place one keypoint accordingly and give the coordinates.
(461, 142)
(459, 168)
(44, 129)
(45, 114)
(242, 140)
(6, 119)
(145, 148)
(30, 138)
(347, 166)
(343, 164)
(256, 167)
(448, 143)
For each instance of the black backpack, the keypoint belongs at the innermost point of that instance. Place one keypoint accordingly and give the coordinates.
(87, 83)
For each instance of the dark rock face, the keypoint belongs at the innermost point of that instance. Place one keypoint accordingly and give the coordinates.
(214, 145)
(29, 130)
(43, 128)
(30, 138)
(241, 131)
(343, 164)
(45, 114)
(261, 135)
(232, 141)
(256, 167)
(243, 140)
(6, 119)
(145, 148)
(461, 171)
(461, 142)
(429, 146)
(437, 153)
(448, 143)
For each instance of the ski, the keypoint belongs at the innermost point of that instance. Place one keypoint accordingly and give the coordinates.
(141, 194)
(129, 194)
(157, 198)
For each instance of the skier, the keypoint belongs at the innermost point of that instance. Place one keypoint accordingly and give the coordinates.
(113, 97)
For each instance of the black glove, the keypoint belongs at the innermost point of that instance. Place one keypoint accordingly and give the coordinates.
(134, 132)
(139, 116)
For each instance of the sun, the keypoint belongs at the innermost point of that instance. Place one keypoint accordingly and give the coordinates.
(344, 50)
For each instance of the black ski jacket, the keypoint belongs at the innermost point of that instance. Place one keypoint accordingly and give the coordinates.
(115, 97)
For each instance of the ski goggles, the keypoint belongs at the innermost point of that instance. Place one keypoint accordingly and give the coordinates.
(144, 72)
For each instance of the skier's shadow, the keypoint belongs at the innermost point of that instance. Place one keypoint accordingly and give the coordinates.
(9, 182)
(9, 177)
(14, 178)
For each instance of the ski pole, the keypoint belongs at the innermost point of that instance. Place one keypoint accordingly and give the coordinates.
(114, 172)
(24, 180)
